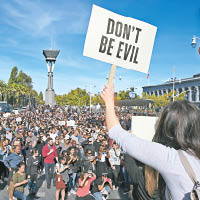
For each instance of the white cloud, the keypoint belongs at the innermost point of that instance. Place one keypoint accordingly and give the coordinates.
(41, 18)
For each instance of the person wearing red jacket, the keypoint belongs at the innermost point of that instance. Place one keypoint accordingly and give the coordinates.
(50, 154)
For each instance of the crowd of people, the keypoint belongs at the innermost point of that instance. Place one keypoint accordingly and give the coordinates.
(96, 153)
(78, 159)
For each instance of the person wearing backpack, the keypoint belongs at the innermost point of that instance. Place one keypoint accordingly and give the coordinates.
(178, 128)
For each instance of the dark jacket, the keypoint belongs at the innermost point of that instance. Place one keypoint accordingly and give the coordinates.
(137, 176)
(32, 165)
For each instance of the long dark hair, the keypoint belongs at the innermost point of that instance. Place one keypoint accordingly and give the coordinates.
(178, 127)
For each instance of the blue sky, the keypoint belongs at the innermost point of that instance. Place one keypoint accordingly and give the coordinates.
(27, 27)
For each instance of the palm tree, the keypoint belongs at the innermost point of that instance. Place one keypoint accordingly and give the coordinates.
(2, 89)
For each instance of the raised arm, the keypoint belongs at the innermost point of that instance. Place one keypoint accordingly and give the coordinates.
(108, 97)
(153, 154)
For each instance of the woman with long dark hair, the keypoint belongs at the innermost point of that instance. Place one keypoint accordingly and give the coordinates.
(177, 129)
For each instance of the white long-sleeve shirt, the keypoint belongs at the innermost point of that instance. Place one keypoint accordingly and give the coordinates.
(163, 159)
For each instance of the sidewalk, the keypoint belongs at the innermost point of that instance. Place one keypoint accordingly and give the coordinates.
(50, 194)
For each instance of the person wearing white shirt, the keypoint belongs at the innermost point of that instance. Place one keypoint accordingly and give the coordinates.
(114, 160)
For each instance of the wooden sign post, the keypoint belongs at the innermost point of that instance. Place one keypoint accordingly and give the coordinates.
(112, 75)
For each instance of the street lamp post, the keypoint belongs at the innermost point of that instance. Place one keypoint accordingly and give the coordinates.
(50, 56)
(90, 91)
(91, 97)
(194, 42)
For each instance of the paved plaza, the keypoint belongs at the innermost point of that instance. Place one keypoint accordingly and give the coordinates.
(50, 194)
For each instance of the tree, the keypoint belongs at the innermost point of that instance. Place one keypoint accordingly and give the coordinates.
(96, 99)
(13, 75)
(3, 90)
(122, 95)
(41, 96)
(78, 97)
(24, 79)
(163, 100)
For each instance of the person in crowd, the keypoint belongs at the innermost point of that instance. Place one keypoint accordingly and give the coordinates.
(75, 136)
(12, 161)
(126, 163)
(31, 137)
(32, 171)
(39, 146)
(97, 143)
(178, 128)
(4, 151)
(58, 146)
(102, 160)
(85, 180)
(136, 171)
(19, 182)
(89, 161)
(114, 159)
(49, 153)
(2, 130)
(102, 187)
(75, 147)
(73, 160)
(66, 144)
(9, 134)
(89, 145)
(62, 178)
(28, 149)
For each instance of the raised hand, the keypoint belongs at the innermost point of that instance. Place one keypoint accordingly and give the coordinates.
(108, 94)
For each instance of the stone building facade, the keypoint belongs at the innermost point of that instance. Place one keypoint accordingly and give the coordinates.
(189, 85)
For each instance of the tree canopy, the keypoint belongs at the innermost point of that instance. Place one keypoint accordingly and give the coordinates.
(18, 89)
(20, 78)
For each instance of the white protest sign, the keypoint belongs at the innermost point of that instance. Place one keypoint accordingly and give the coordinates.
(144, 127)
(119, 40)
(61, 123)
(71, 123)
(16, 112)
(19, 119)
(6, 115)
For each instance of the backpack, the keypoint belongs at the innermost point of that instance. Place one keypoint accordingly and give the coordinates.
(195, 193)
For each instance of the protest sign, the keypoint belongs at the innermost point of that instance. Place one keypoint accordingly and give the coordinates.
(19, 119)
(71, 123)
(144, 127)
(16, 112)
(119, 40)
(6, 115)
(61, 123)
